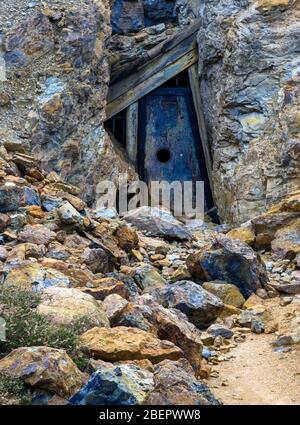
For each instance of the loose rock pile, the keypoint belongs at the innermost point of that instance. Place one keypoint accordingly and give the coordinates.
(161, 304)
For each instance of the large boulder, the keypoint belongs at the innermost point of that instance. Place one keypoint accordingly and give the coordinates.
(34, 276)
(125, 384)
(157, 222)
(228, 293)
(43, 368)
(200, 306)
(286, 243)
(175, 385)
(64, 306)
(37, 234)
(69, 215)
(98, 260)
(121, 343)
(229, 260)
(173, 325)
(167, 324)
(114, 305)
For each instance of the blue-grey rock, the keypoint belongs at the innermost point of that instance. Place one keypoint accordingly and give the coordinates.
(10, 198)
(159, 10)
(50, 203)
(229, 260)
(31, 197)
(115, 385)
(220, 330)
(207, 353)
(158, 223)
(176, 385)
(200, 306)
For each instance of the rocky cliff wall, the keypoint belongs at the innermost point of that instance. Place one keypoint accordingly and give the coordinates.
(57, 76)
(249, 67)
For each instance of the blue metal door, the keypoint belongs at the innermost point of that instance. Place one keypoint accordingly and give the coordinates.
(169, 143)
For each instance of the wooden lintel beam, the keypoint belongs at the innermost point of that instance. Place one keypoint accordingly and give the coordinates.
(163, 69)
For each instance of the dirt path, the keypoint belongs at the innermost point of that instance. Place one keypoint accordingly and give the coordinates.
(258, 375)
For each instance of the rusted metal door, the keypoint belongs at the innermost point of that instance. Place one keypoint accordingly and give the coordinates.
(169, 144)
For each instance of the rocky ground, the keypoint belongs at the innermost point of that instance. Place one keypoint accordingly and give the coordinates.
(141, 309)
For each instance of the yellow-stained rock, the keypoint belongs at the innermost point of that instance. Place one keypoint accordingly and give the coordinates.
(122, 343)
(44, 368)
(244, 234)
(227, 292)
(63, 306)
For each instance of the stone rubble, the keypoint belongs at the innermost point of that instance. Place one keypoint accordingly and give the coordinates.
(84, 265)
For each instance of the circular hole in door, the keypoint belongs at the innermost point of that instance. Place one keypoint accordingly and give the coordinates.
(163, 155)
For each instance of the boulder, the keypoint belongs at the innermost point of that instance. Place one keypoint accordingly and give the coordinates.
(121, 385)
(228, 293)
(37, 234)
(127, 238)
(4, 221)
(244, 234)
(3, 253)
(69, 215)
(113, 306)
(174, 384)
(43, 368)
(12, 197)
(157, 223)
(121, 343)
(229, 260)
(107, 286)
(136, 316)
(34, 276)
(280, 222)
(200, 306)
(292, 288)
(217, 329)
(168, 324)
(173, 325)
(64, 306)
(148, 278)
(154, 245)
(98, 260)
(259, 319)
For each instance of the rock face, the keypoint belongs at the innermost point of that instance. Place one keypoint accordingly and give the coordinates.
(121, 343)
(229, 260)
(200, 306)
(125, 384)
(58, 53)
(251, 107)
(43, 368)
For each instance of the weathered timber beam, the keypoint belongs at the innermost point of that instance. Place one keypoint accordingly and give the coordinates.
(195, 87)
(164, 68)
(119, 88)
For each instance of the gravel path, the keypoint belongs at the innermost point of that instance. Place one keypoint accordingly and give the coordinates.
(258, 375)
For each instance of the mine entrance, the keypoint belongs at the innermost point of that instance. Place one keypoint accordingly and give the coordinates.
(168, 146)
(154, 109)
